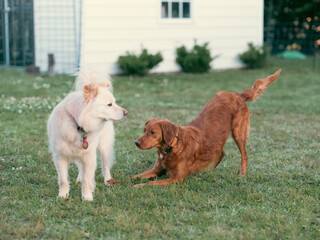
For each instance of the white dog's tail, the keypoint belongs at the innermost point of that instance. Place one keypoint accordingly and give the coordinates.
(89, 75)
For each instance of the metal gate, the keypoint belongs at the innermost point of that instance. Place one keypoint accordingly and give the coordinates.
(16, 33)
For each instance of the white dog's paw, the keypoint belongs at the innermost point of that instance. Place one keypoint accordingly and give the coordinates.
(79, 179)
(64, 190)
(63, 194)
(88, 197)
(87, 194)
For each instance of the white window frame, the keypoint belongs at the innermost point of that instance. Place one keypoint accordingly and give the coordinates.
(181, 19)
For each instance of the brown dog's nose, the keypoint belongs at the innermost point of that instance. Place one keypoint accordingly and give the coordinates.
(125, 112)
(137, 143)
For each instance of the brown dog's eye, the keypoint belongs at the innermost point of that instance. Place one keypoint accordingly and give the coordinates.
(152, 132)
(110, 104)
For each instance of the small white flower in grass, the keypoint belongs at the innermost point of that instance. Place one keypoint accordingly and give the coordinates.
(46, 85)
(35, 86)
(16, 169)
(165, 82)
(20, 111)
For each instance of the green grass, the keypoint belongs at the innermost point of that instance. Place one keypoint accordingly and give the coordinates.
(278, 199)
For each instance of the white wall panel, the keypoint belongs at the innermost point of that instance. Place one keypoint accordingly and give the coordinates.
(110, 28)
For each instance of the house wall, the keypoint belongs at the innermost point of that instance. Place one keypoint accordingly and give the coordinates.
(56, 26)
(110, 28)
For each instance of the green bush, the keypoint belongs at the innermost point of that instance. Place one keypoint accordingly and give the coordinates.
(196, 61)
(132, 64)
(255, 56)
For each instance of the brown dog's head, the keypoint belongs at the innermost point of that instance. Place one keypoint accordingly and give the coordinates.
(157, 133)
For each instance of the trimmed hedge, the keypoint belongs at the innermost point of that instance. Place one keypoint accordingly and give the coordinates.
(197, 60)
(132, 64)
(255, 56)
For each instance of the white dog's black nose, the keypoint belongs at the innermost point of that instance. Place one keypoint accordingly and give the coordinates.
(125, 112)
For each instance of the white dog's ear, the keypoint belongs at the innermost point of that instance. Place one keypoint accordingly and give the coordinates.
(106, 84)
(89, 92)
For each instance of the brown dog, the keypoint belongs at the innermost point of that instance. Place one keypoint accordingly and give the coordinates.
(186, 150)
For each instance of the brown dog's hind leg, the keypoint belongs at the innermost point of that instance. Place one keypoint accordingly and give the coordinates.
(244, 157)
(240, 130)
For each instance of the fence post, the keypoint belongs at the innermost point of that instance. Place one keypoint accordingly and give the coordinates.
(6, 32)
(51, 64)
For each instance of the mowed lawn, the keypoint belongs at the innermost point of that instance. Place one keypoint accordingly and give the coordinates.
(279, 198)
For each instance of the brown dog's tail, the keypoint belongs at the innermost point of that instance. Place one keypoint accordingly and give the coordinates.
(259, 87)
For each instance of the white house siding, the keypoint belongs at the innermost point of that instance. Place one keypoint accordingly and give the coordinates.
(110, 28)
(56, 25)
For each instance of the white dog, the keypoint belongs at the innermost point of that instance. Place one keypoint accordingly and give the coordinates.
(81, 124)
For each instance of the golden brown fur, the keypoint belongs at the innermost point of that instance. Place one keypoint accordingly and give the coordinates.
(200, 143)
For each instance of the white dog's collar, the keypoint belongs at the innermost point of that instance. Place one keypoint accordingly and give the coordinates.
(84, 134)
(85, 143)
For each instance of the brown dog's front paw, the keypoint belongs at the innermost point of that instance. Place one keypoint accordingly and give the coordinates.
(111, 182)
(138, 185)
(136, 177)
(133, 178)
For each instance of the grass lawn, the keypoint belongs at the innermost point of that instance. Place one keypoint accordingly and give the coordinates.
(279, 198)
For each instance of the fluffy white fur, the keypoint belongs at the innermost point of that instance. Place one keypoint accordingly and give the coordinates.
(90, 75)
(87, 107)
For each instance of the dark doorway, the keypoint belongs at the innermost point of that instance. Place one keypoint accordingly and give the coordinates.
(2, 39)
(21, 34)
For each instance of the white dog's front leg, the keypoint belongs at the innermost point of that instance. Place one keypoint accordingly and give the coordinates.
(105, 147)
(80, 168)
(62, 165)
(88, 183)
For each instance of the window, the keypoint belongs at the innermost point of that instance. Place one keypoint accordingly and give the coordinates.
(176, 9)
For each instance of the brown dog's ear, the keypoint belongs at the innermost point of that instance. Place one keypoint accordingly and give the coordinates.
(89, 91)
(168, 131)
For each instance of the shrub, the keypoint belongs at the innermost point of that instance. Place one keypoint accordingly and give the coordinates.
(139, 65)
(196, 61)
(255, 56)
